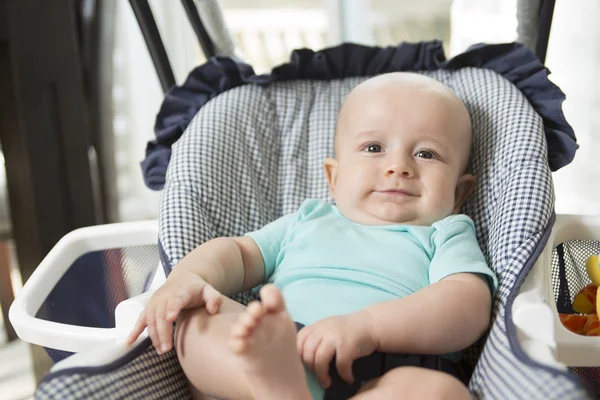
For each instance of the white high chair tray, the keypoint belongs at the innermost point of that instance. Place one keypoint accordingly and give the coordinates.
(539, 330)
(74, 338)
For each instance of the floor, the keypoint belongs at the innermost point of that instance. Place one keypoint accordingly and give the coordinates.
(17, 381)
(16, 374)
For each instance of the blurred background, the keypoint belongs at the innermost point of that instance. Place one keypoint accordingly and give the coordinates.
(119, 94)
(268, 30)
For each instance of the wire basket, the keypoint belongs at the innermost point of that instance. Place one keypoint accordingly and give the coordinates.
(569, 276)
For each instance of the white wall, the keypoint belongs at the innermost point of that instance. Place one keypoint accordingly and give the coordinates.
(573, 57)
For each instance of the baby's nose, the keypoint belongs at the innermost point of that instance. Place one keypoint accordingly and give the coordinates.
(403, 170)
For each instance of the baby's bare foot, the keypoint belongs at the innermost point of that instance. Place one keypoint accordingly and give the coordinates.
(265, 340)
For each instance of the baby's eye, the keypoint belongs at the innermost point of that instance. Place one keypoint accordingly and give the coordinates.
(373, 148)
(429, 155)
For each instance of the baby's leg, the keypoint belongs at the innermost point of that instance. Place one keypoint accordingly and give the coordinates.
(414, 383)
(265, 339)
(202, 344)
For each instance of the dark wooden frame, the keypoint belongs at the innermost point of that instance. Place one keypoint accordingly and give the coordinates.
(45, 129)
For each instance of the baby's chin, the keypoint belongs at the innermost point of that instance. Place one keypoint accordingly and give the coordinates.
(386, 218)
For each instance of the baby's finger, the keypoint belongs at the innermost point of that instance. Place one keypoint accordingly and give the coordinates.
(139, 327)
(309, 351)
(212, 299)
(301, 339)
(343, 364)
(173, 308)
(323, 358)
(152, 332)
(214, 304)
(163, 331)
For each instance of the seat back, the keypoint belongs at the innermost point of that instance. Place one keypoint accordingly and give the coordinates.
(255, 153)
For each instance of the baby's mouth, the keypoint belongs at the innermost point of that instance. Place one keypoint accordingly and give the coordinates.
(396, 192)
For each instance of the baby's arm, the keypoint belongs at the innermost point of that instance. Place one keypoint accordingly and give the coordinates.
(444, 317)
(222, 265)
(229, 264)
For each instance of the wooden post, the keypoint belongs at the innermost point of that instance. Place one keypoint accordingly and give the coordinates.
(44, 129)
(6, 289)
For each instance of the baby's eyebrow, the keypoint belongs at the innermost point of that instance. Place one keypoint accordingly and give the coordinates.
(427, 138)
(362, 134)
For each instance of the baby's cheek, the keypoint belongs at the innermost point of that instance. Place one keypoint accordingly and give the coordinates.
(443, 205)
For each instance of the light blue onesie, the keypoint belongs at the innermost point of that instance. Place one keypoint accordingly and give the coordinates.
(327, 265)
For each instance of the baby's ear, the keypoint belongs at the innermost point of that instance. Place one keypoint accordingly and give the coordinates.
(464, 187)
(330, 167)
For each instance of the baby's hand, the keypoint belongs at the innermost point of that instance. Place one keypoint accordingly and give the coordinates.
(347, 337)
(184, 292)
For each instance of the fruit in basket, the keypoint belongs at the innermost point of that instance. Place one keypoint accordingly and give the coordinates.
(597, 300)
(587, 325)
(592, 327)
(585, 300)
(586, 303)
(574, 322)
(593, 269)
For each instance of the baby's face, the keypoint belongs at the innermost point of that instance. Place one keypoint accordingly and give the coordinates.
(402, 146)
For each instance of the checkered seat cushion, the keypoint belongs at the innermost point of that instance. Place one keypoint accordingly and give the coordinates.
(255, 152)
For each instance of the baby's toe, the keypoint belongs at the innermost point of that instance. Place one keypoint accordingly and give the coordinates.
(238, 345)
(250, 320)
(272, 299)
(240, 331)
(256, 310)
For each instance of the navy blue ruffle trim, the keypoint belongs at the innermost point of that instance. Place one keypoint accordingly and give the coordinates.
(514, 61)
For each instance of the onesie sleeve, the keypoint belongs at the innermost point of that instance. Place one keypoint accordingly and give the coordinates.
(270, 239)
(457, 251)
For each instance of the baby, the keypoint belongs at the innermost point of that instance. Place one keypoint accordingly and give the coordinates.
(392, 268)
